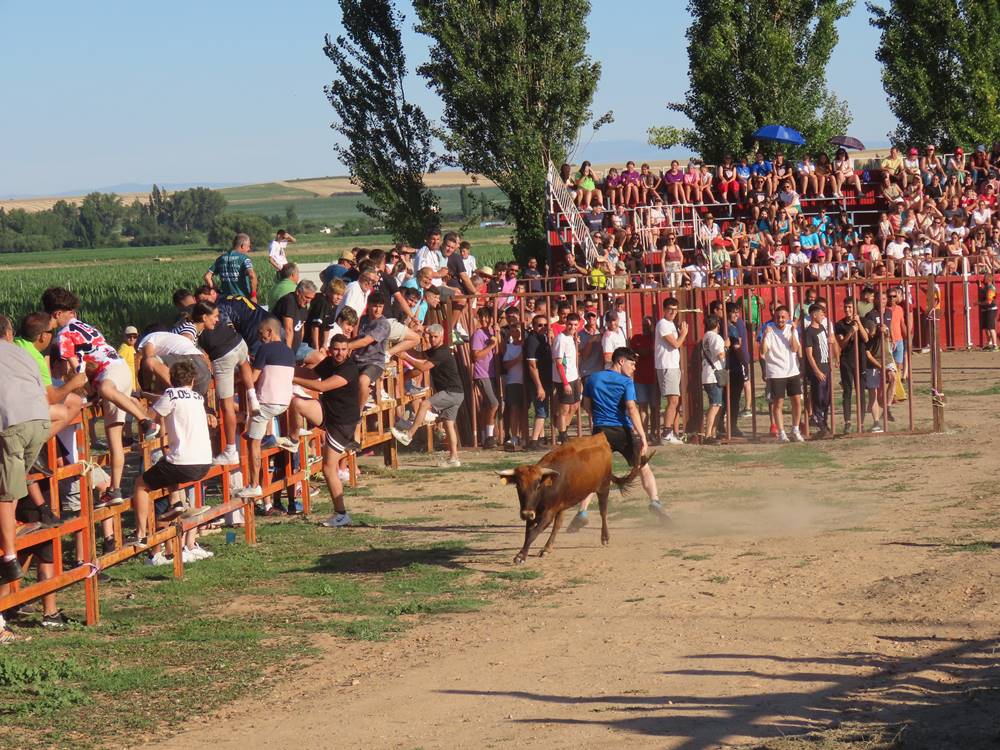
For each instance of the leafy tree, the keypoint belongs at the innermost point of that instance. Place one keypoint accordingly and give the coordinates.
(517, 84)
(941, 69)
(754, 63)
(465, 200)
(227, 226)
(388, 138)
(100, 218)
(292, 223)
(193, 209)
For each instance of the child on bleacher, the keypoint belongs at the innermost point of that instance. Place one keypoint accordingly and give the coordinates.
(273, 370)
(187, 459)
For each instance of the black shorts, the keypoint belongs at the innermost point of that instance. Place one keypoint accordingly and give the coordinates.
(781, 387)
(27, 512)
(620, 440)
(568, 399)
(165, 474)
(988, 318)
(374, 372)
(339, 435)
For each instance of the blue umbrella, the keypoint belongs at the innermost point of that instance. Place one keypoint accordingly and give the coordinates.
(781, 134)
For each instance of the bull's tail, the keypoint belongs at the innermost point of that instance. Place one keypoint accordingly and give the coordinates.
(623, 483)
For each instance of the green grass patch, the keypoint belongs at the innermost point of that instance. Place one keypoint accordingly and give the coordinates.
(527, 574)
(976, 548)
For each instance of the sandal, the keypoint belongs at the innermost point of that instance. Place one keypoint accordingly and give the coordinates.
(8, 636)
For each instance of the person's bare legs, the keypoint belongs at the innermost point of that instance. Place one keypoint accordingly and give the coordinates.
(777, 418)
(796, 411)
(113, 433)
(59, 417)
(141, 506)
(45, 572)
(331, 464)
(418, 418)
(8, 528)
(670, 413)
(254, 467)
(452, 436)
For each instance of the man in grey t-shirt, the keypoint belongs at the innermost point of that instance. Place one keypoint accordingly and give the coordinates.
(24, 428)
(369, 346)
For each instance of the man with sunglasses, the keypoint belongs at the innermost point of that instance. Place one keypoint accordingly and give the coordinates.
(356, 294)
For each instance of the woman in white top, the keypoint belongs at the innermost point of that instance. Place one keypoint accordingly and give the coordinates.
(713, 353)
(843, 174)
(512, 361)
(807, 177)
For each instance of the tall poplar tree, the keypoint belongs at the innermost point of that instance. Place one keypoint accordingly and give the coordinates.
(941, 69)
(517, 84)
(754, 63)
(388, 138)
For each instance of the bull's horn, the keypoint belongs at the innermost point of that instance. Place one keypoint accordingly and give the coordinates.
(547, 472)
(506, 473)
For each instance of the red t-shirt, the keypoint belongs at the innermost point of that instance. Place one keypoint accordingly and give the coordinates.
(642, 344)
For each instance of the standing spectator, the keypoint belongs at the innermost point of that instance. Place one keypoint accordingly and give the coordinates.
(533, 276)
(369, 349)
(336, 380)
(816, 347)
(356, 293)
(234, 269)
(646, 391)
(229, 354)
(591, 355)
(880, 370)
(852, 339)
(24, 428)
(780, 348)
(468, 259)
(276, 252)
(613, 338)
(448, 393)
(514, 395)
(187, 459)
(288, 278)
(340, 269)
(538, 356)
(566, 376)
(484, 347)
(84, 349)
(430, 256)
(713, 353)
(322, 323)
(293, 312)
(667, 341)
(160, 349)
(127, 352)
(738, 364)
(273, 370)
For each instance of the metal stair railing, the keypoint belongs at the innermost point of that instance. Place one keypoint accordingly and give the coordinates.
(560, 195)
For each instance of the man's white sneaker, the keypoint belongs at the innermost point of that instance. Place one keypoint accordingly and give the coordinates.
(227, 458)
(403, 437)
(430, 417)
(672, 439)
(200, 552)
(797, 436)
(344, 474)
(449, 463)
(158, 559)
(189, 557)
(292, 446)
(782, 437)
(250, 492)
(338, 520)
(877, 428)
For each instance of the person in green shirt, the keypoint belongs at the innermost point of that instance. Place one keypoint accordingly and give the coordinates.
(35, 336)
(288, 279)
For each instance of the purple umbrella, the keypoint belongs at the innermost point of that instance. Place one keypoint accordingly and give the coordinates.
(847, 142)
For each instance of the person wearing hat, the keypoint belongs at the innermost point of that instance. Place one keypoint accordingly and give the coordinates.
(127, 352)
(911, 169)
(340, 269)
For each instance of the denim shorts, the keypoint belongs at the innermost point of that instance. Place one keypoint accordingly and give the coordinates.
(715, 393)
(899, 351)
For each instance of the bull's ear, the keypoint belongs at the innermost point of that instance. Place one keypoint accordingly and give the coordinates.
(506, 475)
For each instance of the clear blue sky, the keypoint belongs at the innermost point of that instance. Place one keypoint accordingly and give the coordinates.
(99, 94)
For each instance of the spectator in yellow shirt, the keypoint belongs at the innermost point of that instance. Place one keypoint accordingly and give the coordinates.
(127, 352)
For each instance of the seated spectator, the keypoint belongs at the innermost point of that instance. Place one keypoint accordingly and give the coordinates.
(807, 177)
(631, 182)
(957, 172)
(729, 185)
(292, 309)
(587, 192)
(649, 186)
(892, 166)
(911, 169)
(844, 174)
(673, 184)
(288, 278)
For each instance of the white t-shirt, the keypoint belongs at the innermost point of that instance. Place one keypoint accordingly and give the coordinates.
(711, 347)
(564, 350)
(665, 356)
(798, 258)
(165, 342)
(612, 340)
(470, 264)
(698, 274)
(895, 249)
(780, 360)
(277, 253)
(823, 271)
(432, 259)
(354, 297)
(187, 427)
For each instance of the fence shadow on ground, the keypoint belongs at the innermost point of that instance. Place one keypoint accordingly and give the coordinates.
(948, 698)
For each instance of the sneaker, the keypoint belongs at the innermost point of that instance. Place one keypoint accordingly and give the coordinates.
(10, 570)
(188, 557)
(150, 429)
(48, 519)
(337, 520)
(404, 424)
(369, 405)
(246, 493)
(449, 463)
(227, 457)
(384, 396)
(876, 428)
(134, 541)
(200, 552)
(533, 445)
(415, 390)
(158, 559)
(108, 545)
(657, 509)
(302, 433)
(847, 427)
(108, 498)
(430, 417)
(98, 446)
(172, 512)
(782, 437)
(402, 437)
(890, 417)
(196, 512)
(344, 474)
(746, 414)
(579, 521)
(490, 442)
(268, 441)
(274, 510)
(292, 446)
(57, 620)
(672, 439)
(797, 435)
(313, 460)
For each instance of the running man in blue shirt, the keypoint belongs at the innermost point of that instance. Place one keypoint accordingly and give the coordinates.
(609, 398)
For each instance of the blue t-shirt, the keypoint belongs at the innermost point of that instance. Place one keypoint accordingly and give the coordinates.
(609, 392)
(233, 272)
(761, 168)
(333, 271)
(809, 240)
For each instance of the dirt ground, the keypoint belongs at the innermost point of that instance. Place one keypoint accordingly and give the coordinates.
(839, 594)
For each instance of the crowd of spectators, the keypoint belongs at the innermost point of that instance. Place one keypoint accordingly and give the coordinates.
(765, 220)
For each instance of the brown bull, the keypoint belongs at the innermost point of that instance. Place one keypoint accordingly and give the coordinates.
(564, 477)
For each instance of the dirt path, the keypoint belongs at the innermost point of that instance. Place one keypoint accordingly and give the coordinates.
(850, 587)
